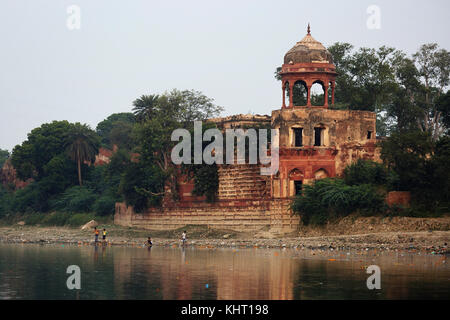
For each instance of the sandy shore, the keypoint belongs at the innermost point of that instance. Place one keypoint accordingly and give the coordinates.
(432, 241)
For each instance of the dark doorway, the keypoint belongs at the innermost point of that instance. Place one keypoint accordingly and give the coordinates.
(369, 134)
(318, 137)
(298, 187)
(298, 137)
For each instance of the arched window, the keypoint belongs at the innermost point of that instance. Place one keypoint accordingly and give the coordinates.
(320, 174)
(300, 93)
(318, 94)
(295, 174)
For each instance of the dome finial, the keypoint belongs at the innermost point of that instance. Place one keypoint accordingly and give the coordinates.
(309, 29)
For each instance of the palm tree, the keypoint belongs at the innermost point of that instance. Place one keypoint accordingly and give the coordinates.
(144, 107)
(82, 145)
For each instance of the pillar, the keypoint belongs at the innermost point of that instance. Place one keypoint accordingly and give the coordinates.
(325, 94)
(333, 84)
(308, 102)
(284, 95)
(291, 95)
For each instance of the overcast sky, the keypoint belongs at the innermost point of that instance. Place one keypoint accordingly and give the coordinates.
(226, 49)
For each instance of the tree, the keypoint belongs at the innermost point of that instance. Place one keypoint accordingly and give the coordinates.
(443, 106)
(160, 116)
(82, 145)
(144, 107)
(42, 145)
(121, 135)
(408, 154)
(434, 68)
(4, 155)
(105, 127)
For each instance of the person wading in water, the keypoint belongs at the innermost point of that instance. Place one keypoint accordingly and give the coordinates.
(104, 236)
(96, 232)
(183, 237)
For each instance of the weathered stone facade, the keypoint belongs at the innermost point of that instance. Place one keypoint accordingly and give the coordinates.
(330, 140)
(314, 142)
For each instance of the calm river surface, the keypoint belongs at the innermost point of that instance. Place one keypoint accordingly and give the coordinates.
(39, 272)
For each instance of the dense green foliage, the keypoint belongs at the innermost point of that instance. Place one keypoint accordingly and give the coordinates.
(365, 172)
(4, 155)
(421, 166)
(332, 198)
(158, 117)
(82, 145)
(66, 189)
(142, 185)
(116, 129)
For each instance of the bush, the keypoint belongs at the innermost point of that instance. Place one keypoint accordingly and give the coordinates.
(105, 205)
(142, 185)
(79, 219)
(365, 172)
(56, 219)
(75, 199)
(6, 199)
(34, 218)
(329, 198)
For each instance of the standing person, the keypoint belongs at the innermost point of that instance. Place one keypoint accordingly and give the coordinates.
(96, 232)
(149, 242)
(183, 237)
(104, 235)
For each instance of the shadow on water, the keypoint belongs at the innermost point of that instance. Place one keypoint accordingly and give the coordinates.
(39, 272)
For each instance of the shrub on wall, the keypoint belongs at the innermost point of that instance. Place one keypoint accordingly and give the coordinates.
(365, 172)
(328, 198)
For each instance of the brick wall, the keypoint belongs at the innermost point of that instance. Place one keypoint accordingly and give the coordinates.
(236, 215)
(402, 198)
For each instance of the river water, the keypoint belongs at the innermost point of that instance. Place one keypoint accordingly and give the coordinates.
(39, 272)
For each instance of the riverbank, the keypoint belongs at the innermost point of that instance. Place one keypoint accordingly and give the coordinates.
(429, 241)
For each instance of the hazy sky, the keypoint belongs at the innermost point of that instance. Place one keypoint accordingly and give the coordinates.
(226, 49)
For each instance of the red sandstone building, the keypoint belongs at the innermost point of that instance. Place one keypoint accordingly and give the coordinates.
(315, 142)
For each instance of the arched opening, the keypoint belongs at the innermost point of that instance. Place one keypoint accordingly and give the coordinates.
(320, 174)
(286, 96)
(300, 93)
(295, 182)
(318, 94)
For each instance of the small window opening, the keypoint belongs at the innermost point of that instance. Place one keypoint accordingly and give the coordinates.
(298, 187)
(298, 137)
(369, 134)
(318, 137)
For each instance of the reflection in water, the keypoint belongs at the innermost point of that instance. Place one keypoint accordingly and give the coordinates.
(39, 272)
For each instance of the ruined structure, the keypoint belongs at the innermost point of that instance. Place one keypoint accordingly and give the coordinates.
(315, 141)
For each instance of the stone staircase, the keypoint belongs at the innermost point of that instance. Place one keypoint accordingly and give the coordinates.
(242, 182)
